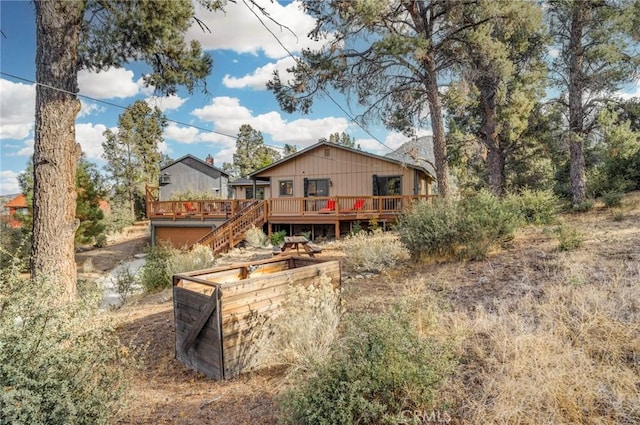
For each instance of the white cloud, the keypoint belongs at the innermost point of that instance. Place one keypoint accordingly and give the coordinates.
(631, 91)
(166, 103)
(18, 105)
(109, 84)
(238, 29)
(258, 79)
(26, 150)
(90, 138)
(393, 140)
(186, 135)
(227, 114)
(89, 108)
(9, 182)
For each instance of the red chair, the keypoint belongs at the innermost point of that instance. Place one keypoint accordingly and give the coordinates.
(331, 206)
(189, 207)
(358, 204)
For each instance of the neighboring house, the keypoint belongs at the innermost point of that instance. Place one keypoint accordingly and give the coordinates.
(325, 190)
(173, 221)
(16, 206)
(190, 174)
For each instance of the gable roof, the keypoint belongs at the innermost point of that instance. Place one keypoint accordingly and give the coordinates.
(196, 164)
(418, 152)
(338, 146)
(20, 201)
(248, 182)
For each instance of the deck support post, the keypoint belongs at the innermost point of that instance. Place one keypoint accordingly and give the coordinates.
(337, 226)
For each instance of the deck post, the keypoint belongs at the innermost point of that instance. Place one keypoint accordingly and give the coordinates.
(337, 228)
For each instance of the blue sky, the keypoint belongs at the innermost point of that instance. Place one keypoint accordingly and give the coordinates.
(245, 55)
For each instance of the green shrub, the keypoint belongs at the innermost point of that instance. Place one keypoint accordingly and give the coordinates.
(277, 238)
(430, 228)
(157, 270)
(380, 369)
(484, 221)
(534, 206)
(90, 292)
(59, 364)
(569, 238)
(124, 282)
(373, 251)
(583, 206)
(466, 228)
(163, 261)
(612, 199)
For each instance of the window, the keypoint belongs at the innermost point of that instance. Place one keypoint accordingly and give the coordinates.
(327, 153)
(316, 187)
(286, 187)
(259, 191)
(387, 185)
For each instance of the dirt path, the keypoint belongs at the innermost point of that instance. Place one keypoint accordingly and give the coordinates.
(98, 261)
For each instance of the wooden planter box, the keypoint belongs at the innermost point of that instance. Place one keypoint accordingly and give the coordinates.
(216, 309)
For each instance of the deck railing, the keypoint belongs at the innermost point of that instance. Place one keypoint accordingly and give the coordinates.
(207, 209)
(224, 209)
(341, 205)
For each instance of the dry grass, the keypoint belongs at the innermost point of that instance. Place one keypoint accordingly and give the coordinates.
(542, 336)
(571, 357)
(374, 251)
(301, 337)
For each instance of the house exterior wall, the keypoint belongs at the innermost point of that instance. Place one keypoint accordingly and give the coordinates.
(241, 191)
(185, 178)
(180, 237)
(350, 173)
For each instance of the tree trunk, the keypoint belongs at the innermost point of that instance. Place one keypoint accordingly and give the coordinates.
(55, 151)
(576, 110)
(439, 140)
(495, 155)
(495, 170)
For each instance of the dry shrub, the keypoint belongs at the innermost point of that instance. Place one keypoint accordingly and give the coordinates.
(374, 251)
(255, 237)
(197, 258)
(302, 335)
(571, 357)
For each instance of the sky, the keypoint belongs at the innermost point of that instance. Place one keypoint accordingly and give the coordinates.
(245, 55)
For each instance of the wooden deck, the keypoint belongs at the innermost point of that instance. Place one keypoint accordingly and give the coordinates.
(320, 210)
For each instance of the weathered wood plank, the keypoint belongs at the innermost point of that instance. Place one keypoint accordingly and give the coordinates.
(211, 306)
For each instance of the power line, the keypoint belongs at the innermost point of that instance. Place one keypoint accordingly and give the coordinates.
(326, 93)
(115, 105)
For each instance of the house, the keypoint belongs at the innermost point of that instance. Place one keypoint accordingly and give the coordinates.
(192, 175)
(175, 221)
(15, 207)
(325, 189)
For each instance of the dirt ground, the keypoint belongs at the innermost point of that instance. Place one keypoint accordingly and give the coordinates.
(166, 392)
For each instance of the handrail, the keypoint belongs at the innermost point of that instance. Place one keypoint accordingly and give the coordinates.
(231, 232)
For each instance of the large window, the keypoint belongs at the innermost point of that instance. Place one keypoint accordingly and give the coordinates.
(387, 185)
(259, 192)
(286, 187)
(316, 187)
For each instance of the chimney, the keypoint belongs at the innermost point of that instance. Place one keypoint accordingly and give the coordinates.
(209, 160)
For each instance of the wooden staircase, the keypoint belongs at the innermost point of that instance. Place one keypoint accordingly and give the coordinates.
(231, 233)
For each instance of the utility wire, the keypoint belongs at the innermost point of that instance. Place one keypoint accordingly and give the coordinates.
(115, 105)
